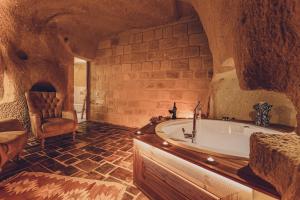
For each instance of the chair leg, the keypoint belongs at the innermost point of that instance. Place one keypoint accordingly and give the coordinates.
(43, 143)
(74, 134)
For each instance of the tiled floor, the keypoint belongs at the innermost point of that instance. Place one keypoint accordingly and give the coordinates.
(101, 151)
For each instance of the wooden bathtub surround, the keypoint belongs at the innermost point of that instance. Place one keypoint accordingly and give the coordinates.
(276, 159)
(227, 166)
(159, 183)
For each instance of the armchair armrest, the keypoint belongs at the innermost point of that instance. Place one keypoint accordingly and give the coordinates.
(10, 125)
(36, 123)
(70, 114)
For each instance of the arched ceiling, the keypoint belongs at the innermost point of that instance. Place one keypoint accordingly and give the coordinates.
(82, 23)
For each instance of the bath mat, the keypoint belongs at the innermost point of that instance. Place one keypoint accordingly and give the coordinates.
(42, 186)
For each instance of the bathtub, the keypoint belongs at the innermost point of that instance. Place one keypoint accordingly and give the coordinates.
(226, 138)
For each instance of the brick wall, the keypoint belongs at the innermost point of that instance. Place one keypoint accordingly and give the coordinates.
(140, 73)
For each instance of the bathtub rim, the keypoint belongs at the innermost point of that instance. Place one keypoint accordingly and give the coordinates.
(182, 144)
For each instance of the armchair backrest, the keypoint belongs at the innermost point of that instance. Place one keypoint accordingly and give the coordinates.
(46, 104)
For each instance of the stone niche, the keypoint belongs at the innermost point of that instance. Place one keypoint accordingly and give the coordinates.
(43, 87)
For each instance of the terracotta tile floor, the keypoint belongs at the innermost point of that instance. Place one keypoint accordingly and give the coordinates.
(101, 151)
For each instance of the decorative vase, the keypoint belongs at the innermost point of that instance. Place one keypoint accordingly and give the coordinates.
(262, 117)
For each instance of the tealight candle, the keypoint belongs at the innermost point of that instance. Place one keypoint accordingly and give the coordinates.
(210, 159)
(139, 132)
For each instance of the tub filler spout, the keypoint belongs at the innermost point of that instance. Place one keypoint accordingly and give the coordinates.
(197, 113)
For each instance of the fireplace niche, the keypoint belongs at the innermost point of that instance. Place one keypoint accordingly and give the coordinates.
(43, 87)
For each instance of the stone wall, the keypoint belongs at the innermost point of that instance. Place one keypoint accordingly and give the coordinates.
(140, 73)
(17, 82)
(226, 94)
(265, 51)
(29, 53)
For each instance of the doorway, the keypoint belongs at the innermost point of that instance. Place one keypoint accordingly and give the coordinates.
(80, 88)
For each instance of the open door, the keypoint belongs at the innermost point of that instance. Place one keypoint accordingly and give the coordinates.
(80, 88)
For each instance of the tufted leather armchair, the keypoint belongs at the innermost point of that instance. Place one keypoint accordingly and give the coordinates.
(47, 116)
(13, 138)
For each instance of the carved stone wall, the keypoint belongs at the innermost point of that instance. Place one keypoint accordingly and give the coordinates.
(30, 53)
(262, 37)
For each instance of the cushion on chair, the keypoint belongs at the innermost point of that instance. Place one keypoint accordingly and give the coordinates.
(9, 136)
(54, 124)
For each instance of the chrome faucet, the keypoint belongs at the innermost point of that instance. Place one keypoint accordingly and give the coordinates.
(197, 113)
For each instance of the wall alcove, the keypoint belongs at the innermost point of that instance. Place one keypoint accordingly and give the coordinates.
(43, 87)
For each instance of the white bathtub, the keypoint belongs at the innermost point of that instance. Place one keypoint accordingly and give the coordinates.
(215, 136)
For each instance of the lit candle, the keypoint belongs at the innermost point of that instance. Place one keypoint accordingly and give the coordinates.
(139, 132)
(210, 159)
(165, 143)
